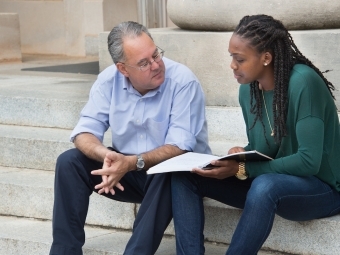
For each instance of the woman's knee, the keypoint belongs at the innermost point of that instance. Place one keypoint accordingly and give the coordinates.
(263, 187)
(182, 181)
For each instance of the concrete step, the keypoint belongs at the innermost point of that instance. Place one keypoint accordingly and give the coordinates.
(42, 101)
(23, 236)
(32, 147)
(29, 193)
(57, 101)
(38, 148)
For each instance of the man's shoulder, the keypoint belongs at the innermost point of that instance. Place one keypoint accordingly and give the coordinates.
(178, 72)
(108, 73)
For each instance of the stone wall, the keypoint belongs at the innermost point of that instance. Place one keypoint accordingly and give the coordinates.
(10, 48)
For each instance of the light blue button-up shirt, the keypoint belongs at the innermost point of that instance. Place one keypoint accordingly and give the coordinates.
(172, 114)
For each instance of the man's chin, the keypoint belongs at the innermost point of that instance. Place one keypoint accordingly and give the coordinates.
(158, 80)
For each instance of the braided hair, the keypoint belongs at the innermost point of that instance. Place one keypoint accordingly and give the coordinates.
(265, 33)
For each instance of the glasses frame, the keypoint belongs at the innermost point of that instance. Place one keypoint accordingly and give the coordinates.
(160, 53)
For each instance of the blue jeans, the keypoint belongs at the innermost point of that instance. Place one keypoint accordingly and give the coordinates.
(291, 197)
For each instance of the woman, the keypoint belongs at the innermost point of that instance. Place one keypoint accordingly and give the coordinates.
(291, 116)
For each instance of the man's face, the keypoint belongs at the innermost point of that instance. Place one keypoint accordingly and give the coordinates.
(246, 62)
(138, 51)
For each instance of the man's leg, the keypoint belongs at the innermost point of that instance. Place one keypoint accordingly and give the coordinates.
(154, 215)
(73, 186)
(292, 197)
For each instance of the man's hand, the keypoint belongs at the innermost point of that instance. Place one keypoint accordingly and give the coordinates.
(223, 169)
(115, 166)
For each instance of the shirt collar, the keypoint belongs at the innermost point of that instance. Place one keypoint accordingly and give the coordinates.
(128, 87)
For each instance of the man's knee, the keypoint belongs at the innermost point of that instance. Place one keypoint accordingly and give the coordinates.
(71, 161)
(69, 156)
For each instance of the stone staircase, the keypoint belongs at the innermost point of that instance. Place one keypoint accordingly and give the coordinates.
(38, 112)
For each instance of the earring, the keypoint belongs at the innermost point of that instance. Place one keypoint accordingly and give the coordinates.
(265, 64)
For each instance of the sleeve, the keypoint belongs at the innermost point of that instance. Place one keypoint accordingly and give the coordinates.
(187, 117)
(306, 161)
(94, 118)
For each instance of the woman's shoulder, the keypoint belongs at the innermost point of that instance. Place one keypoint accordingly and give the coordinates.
(304, 77)
(304, 73)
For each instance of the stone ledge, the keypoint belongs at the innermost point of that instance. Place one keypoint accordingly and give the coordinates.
(225, 15)
(314, 237)
(29, 236)
(206, 53)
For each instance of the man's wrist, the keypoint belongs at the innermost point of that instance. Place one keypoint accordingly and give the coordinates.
(140, 162)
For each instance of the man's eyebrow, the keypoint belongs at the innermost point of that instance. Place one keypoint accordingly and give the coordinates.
(145, 59)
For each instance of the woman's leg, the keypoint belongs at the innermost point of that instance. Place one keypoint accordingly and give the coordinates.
(291, 197)
(188, 214)
(188, 191)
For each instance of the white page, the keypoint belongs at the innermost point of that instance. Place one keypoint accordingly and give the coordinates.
(184, 162)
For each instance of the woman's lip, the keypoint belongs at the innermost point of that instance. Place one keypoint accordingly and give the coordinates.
(236, 76)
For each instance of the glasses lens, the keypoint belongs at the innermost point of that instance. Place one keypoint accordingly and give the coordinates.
(159, 56)
(156, 59)
(145, 67)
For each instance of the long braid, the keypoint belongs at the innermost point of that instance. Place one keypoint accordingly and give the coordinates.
(267, 34)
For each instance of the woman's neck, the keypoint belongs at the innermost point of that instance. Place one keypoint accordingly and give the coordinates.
(267, 82)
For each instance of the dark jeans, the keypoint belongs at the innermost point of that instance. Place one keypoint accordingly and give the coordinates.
(73, 186)
(291, 197)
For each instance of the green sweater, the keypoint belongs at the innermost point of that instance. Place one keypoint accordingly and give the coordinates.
(312, 146)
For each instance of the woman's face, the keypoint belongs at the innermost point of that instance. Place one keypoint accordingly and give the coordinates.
(248, 65)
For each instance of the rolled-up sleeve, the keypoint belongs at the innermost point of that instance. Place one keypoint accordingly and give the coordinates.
(94, 118)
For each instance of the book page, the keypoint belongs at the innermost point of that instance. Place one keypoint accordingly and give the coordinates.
(184, 162)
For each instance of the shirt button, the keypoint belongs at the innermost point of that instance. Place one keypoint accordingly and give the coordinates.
(141, 136)
(137, 121)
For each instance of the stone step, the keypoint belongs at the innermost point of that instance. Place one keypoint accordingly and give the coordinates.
(57, 102)
(23, 236)
(29, 193)
(38, 148)
(32, 100)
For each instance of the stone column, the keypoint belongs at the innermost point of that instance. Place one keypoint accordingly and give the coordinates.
(10, 37)
(74, 27)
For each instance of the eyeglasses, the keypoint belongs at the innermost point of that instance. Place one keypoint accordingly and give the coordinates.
(146, 65)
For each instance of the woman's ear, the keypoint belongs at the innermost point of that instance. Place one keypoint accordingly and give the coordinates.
(122, 69)
(267, 58)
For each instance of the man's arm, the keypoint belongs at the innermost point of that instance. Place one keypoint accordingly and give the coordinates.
(160, 154)
(116, 165)
(91, 146)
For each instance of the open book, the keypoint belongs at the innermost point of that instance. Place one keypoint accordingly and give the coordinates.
(189, 160)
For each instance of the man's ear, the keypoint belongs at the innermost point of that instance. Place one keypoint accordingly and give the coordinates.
(122, 69)
(267, 58)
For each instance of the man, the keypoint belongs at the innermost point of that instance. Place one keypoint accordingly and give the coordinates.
(155, 109)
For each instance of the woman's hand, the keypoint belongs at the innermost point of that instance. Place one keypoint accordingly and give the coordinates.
(236, 149)
(222, 169)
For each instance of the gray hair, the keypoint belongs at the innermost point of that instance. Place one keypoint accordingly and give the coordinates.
(117, 34)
